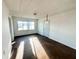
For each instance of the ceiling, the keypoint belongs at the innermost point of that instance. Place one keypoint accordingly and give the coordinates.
(26, 8)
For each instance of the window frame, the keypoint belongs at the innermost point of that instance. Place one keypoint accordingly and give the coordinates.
(28, 25)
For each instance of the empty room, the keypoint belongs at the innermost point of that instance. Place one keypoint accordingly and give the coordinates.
(39, 29)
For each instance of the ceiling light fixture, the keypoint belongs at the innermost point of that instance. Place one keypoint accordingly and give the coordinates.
(34, 13)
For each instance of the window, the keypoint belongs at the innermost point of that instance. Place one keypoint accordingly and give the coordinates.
(26, 25)
(31, 25)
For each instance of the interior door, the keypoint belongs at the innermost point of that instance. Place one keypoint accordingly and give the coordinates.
(11, 28)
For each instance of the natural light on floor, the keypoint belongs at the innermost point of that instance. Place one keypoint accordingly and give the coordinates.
(37, 48)
(20, 51)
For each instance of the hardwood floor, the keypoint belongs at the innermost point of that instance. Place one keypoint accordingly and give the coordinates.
(40, 47)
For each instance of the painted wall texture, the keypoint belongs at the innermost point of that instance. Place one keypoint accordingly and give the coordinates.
(62, 28)
(6, 38)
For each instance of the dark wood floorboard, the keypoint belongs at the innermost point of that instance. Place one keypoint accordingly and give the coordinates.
(53, 49)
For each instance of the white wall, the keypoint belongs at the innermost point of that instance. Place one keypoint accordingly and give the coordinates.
(23, 32)
(40, 26)
(46, 28)
(62, 28)
(43, 27)
(6, 38)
